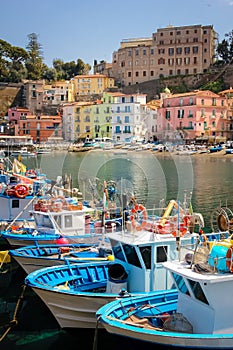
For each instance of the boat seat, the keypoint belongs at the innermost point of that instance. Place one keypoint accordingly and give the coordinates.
(90, 286)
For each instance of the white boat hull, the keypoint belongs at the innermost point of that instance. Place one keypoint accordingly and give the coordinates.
(73, 310)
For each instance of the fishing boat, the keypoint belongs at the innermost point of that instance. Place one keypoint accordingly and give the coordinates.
(17, 193)
(139, 251)
(32, 258)
(61, 214)
(198, 314)
(54, 217)
(23, 152)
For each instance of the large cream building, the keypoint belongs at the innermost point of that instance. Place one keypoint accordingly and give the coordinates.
(170, 51)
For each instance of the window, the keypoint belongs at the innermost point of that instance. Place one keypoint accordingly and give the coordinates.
(197, 291)
(136, 74)
(152, 51)
(180, 113)
(161, 51)
(171, 51)
(68, 220)
(190, 113)
(136, 52)
(146, 255)
(161, 61)
(168, 114)
(144, 52)
(136, 63)
(129, 74)
(15, 203)
(161, 254)
(131, 255)
(126, 119)
(170, 61)
(213, 101)
(191, 101)
(187, 60)
(195, 49)
(179, 61)
(180, 283)
(187, 50)
(144, 73)
(151, 73)
(179, 50)
(129, 53)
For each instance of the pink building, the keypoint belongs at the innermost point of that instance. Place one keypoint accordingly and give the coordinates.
(193, 115)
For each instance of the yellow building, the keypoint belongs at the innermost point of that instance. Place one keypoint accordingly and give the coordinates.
(83, 120)
(91, 84)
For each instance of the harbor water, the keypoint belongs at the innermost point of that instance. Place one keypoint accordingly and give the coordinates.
(202, 181)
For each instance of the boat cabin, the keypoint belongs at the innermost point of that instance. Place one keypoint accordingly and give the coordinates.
(204, 296)
(143, 253)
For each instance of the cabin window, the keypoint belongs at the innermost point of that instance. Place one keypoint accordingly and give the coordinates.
(15, 203)
(47, 221)
(197, 291)
(146, 256)
(131, 255)
(117, 251)
(161, 255)
(58, 220)
(68, 220)
(180, 283)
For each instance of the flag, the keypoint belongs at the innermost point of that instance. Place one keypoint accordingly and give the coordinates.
(18, 167)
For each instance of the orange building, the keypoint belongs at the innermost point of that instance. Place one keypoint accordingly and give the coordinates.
(42, 128)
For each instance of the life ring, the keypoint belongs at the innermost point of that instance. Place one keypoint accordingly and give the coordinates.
(139, 209)
(21, 190)
(31, 173)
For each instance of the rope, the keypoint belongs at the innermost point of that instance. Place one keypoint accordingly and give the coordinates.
(14, 321)
(95, 342)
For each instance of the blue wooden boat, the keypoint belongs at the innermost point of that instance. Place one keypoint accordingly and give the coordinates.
(199, 317)
(215, 149)
(32, 258)
(74, 292)
(229, 151)
(60, 215)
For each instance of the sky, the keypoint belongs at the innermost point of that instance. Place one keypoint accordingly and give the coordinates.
(93, 30)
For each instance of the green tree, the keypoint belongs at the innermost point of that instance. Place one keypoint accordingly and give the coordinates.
(67, 70)
(34, 63)
(225, 48)
(12, 62)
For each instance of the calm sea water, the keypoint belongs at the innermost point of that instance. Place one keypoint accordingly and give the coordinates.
(205, 181)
